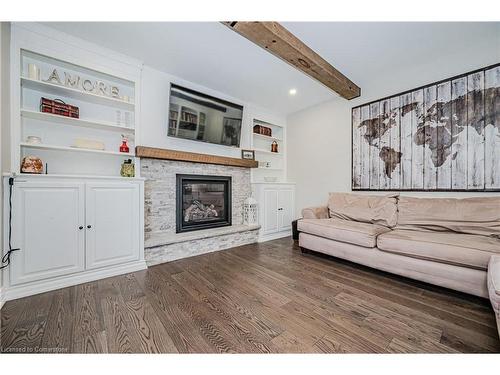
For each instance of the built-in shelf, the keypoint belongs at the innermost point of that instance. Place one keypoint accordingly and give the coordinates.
(261, 144)
(94, 124)
(103, 117)
(262, 136)
(266, 151)
(42, 146)
(54, 89)
(267, 124)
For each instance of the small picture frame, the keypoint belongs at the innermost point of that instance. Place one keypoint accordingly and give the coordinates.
(248, 154)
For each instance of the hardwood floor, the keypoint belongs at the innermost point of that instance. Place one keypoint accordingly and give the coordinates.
(260, 298)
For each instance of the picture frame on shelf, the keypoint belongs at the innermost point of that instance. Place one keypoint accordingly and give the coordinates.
(248, 154)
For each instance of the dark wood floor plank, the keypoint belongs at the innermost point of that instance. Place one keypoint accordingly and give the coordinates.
(120, 338)
(230, 317)
(176, 322)
(257, 298)
(59, 330)
(458, 303)
(480, 314)
(148, 327)
(10, 314)
(289, 343)
(88, 333)
(278, 315)
(26, 337)
(209, 324)
(347, 283)
(243, 307)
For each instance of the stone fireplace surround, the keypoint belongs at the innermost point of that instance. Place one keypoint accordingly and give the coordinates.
(162, 243)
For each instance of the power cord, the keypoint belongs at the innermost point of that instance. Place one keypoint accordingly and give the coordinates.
(6, 257)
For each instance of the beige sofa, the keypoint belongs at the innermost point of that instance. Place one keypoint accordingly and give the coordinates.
(494, 286)
(442, 241)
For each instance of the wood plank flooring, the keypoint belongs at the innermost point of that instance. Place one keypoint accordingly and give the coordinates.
(259, 298)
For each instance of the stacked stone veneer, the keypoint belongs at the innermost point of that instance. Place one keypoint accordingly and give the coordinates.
(160, 206)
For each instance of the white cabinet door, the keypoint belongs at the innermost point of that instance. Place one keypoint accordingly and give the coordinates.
(112, 224)
(270, 208)
(48, 227)
(285, 208)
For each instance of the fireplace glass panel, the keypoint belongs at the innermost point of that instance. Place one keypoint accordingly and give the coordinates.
(203, 202)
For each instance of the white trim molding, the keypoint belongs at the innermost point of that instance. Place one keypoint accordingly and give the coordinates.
(42, 286)
(274, 236)
(2, 301)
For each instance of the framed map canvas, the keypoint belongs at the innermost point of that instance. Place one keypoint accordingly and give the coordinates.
(444, 137)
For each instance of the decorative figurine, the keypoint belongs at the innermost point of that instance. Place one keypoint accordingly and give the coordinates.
(128, 169)
(124, 146)
(274, 147)
(32, 164)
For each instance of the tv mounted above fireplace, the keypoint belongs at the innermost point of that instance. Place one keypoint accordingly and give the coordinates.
(204, 118)
(202, 202)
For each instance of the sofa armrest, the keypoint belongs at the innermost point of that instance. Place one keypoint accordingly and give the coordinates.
(320, 212)
(494, 276)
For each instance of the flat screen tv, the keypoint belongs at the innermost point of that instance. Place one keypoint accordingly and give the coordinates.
(200, 117)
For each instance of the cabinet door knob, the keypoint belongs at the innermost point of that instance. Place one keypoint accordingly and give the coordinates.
(80, 227)
(89, 226)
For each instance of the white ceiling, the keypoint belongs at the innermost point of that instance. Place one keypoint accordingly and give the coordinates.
(209, 54)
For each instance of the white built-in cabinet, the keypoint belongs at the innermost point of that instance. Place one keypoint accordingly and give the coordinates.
(48, 227)
(71, 227)
(112, 224)
(276, 209)
(80, 220)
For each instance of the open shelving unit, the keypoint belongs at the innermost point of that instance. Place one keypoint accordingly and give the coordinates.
(271, 164)
(88, 123)
(104, 116)
(68, 92)
(74, 149)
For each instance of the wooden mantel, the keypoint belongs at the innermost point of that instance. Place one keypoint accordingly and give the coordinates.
(162, 153)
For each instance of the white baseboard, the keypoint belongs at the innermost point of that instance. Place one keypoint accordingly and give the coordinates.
(29, 289)
(274, 236)
(2, 298)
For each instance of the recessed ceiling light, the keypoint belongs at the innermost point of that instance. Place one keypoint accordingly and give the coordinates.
(292, 91)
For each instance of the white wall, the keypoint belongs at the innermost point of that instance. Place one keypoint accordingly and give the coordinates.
(319, 138)
(4, 115)
(154, 116)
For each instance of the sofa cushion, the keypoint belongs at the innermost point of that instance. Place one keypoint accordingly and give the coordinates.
(353, 232)
(381, 210)
(319, 212)
(469, 215)
(453, 248)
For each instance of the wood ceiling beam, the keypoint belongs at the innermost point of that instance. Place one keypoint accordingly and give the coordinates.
(274, 38)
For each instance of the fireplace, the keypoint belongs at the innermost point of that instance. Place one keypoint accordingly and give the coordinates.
(202, 202)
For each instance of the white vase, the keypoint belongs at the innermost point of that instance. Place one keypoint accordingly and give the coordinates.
(33, 72)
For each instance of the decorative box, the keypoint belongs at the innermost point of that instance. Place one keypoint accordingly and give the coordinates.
(58, 107)
(32, 164)
(88, 144)
(263, 130)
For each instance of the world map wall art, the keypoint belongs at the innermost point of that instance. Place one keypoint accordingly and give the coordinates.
(444, 136)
